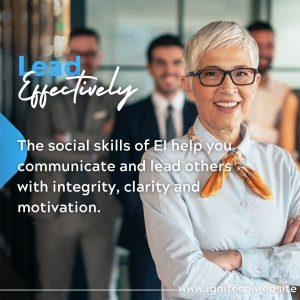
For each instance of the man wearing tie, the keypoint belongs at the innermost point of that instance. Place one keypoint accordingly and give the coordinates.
(163, 115)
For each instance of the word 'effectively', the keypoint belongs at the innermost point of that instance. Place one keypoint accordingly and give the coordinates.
(77, 83)
(39, 95)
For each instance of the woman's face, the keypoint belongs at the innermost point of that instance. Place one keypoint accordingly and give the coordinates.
(223, 107)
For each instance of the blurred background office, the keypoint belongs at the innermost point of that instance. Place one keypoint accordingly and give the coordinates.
(39, 29)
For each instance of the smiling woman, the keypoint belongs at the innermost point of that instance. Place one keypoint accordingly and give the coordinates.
(222, 88)
(242, 230)
(222, 100)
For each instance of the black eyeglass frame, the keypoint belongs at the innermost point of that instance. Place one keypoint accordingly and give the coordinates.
(198, 73)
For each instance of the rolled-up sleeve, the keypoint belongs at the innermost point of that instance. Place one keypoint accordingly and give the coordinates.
(180, 264)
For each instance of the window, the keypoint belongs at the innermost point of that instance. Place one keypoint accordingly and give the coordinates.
(287, 62)
(127, 27)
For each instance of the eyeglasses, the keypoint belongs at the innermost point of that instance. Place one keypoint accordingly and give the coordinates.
(215, 77)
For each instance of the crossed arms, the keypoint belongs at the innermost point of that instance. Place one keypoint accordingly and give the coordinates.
(233, 259)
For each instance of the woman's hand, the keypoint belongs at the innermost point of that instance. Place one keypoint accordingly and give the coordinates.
(227, 260)
(292, 232)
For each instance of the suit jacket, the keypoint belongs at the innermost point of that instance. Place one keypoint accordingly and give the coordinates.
(136, 123)
(60, 116)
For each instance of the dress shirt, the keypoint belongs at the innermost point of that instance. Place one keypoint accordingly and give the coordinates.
(180, 225)
(161, 111)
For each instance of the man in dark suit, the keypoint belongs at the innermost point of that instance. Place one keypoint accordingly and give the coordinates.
(163, 115)
(59, 235)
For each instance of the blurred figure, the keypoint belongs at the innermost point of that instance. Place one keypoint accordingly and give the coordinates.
(59, 235)
(165, 114)
(272, 117)
(12, 279)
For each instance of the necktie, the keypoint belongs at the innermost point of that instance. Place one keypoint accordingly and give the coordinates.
(170, 130)
(234, 159)
(81, 110)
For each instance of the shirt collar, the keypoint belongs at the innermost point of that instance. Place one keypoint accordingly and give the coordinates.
(161, 103)
(205, 137)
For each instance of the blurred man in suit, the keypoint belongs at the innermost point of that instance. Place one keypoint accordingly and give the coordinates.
(59, 235)
(163, 115)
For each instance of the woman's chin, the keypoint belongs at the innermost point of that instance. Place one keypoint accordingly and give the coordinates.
(230, 126)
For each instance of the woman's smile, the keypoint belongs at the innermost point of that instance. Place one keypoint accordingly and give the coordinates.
(227, 106)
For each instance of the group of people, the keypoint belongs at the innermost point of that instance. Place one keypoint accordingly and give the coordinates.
(189, 81)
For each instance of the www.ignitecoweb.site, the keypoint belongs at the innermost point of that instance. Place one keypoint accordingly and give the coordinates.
(228, 289)
(70, 208)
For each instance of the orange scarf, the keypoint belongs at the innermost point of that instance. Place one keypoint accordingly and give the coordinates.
(234, 159)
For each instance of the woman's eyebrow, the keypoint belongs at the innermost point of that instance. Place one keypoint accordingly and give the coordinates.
(242, 66)
(209, 67)
(218, 67)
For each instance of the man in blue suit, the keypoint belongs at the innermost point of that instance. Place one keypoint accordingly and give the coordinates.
(163, 115)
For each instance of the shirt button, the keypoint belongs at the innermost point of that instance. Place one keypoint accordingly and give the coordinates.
(285, 275)
(243, 203)
(248, 232)
(258, 270)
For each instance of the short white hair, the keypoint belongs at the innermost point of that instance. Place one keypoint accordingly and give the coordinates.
(219, 34)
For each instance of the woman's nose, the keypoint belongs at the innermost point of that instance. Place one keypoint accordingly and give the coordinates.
(228, 85)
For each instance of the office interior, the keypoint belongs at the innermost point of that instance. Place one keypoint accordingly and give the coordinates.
(39, 29)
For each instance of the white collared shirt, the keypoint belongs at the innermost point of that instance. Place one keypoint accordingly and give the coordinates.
(161, 104)
(180, 225)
